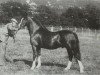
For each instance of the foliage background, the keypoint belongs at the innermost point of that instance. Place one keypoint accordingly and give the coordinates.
(87, 15)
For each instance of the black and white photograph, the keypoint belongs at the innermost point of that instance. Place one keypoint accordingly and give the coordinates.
(49, 37)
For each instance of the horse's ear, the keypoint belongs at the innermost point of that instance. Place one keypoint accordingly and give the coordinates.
(24, 14)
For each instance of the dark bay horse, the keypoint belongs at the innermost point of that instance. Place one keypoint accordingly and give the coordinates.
(40, 37)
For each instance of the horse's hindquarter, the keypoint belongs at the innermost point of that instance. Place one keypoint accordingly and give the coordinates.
(68, 36)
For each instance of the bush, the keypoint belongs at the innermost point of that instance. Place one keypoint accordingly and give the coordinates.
(13, 9)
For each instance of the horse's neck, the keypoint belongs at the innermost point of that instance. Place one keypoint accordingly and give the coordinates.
(40, 24)
(32, 26)
(35, 25)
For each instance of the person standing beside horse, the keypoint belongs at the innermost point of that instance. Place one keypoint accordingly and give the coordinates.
(9, 30)
(12, 29)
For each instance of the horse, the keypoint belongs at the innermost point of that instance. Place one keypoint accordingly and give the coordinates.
(41, 37)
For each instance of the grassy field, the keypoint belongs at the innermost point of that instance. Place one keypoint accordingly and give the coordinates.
(53, 61)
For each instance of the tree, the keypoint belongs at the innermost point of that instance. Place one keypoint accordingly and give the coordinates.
(46, 15)
(74, 17)
(13, 9)
(92, 14)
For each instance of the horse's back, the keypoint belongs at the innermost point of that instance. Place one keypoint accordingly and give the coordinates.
(63, 34)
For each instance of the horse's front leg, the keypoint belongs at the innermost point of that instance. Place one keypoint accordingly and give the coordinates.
(38, 57)
(70, 54)
(34, 57)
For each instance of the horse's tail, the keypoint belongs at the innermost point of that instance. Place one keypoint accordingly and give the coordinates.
(76, 36)
(76, 47)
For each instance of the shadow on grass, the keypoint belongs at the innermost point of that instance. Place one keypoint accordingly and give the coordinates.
(43, 64)
(53, 64)
(25, 61)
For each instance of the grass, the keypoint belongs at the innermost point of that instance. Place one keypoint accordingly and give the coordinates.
(53, 61)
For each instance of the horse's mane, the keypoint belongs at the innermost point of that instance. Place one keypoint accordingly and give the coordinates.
(38, 23)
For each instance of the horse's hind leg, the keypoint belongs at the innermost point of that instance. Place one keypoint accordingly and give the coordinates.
(70, 54)
(77, 55)
(34, 57)
(38, 57)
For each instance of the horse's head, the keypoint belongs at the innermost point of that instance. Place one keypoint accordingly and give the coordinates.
(20, 20)
(27, 21)
(23, 22)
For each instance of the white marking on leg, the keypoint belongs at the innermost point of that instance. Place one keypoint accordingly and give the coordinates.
(39, 62)
(68, 66)
(33, 64)
(81, 66)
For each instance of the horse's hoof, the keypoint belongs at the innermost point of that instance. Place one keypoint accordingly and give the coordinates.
(38, 67)
(82, 71)
(32, 68)
(67, 69)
